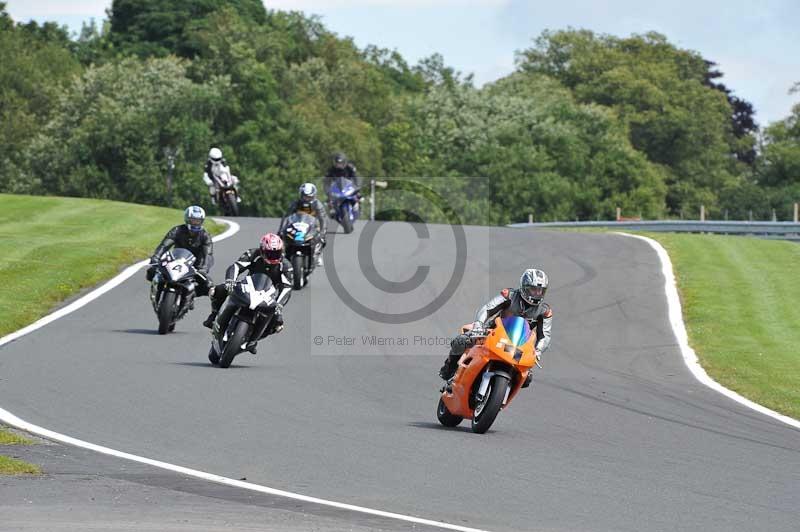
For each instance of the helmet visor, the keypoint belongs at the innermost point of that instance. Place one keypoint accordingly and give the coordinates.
(272, 256)
(534, 292)
(195, 225)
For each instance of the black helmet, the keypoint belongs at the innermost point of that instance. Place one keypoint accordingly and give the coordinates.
(339, 160)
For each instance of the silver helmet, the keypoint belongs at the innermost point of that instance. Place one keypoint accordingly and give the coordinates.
(193, 217)
(533, 285)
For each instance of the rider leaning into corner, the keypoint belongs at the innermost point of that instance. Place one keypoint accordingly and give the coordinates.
(267, 258)
(341, 168)
(526, 301)
(216, 165)
(308, 203)
(192, 236)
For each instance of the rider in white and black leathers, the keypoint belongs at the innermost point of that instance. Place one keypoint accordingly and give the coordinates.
(216, 164)
(268, 258)
(526, 301)
(192, 236)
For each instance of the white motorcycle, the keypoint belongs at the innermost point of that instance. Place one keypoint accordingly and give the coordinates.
(248, 312)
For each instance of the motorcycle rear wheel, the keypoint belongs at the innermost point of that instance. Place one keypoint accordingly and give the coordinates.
(234, 344)
(213, 357)
(445, 417)
(166, 312)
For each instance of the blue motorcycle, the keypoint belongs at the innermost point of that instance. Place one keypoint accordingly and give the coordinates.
(344, 198)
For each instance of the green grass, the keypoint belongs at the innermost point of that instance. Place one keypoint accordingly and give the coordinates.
(12, 466)
(741, 306)
(10, 438)
(51, 248)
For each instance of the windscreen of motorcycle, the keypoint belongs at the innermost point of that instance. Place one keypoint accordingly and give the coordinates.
(179, 263)
(255, 290)
(302, 226)
(518, 329)
(342, 187)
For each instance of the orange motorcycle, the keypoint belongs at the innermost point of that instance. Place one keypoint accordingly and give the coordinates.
(489, 375)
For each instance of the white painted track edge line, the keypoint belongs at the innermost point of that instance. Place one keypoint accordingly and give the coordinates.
(11, 419)
(679, 329)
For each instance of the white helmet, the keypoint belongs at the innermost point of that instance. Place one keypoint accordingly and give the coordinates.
(532, 285)
(308, 192)
(215, 155)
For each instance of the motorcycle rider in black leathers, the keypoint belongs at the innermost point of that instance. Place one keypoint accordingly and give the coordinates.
(309, 204)
(267, 258)
(526, 301)
(341, 168)
(192, 236)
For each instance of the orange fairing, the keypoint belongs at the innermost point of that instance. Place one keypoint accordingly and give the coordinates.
(497, 348)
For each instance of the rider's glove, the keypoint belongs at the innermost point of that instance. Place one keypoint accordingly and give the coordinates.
(278, 309)
(229, 284)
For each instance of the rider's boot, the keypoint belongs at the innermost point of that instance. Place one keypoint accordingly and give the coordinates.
(210, 320)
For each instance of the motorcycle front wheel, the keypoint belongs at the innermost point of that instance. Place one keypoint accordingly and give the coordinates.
(299, 272)
(231, 206)
(347, 221)
(166, 312)
(486, 410)
(234, 344)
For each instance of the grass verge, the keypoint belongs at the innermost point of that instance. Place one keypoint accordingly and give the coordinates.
(12, 466)
(740, 304)
(51, 248)
(10, 438)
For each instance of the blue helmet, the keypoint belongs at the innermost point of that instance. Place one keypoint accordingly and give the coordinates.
(194, 217)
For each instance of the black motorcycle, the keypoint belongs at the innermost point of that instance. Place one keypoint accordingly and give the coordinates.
(302, 242)
(248, 311)
(172, 288)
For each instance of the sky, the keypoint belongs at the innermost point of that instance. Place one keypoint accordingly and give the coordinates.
(756, 44)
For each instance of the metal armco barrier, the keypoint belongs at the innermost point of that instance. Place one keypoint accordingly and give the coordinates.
(781, 230)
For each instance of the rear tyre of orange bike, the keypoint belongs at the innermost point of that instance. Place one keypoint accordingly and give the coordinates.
(445, 417)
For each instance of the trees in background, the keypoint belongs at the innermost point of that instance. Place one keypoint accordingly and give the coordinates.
(661, 95)
(587, 122)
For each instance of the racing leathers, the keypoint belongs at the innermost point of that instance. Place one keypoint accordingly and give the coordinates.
(315, 208)
(200, 244)
(507, 303)
(280, 274)
(212, 174)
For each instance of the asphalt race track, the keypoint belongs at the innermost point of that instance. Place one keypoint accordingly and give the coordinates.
(613, 435)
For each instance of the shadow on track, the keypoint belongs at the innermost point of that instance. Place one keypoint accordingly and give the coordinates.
(437, 426)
